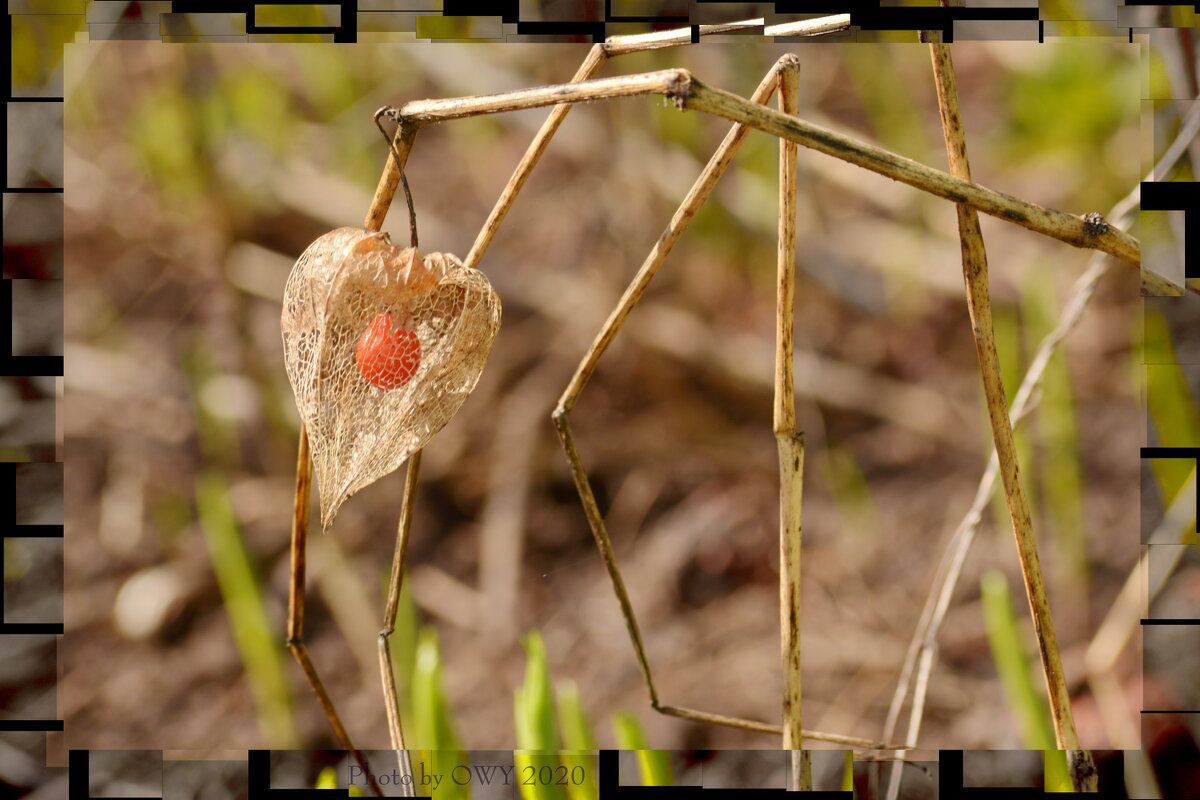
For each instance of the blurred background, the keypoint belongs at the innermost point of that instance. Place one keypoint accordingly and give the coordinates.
(196, 175)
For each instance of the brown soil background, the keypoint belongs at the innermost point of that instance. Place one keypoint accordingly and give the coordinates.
(174, 367)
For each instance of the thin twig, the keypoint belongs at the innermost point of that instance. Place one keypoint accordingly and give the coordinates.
(295, 625)
(1057, 224)
(412, 211)
(387, 673)
(389, 180)
(594, 60)
(689, 92)
(766, 727)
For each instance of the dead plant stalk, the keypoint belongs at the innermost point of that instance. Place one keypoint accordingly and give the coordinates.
(975, 272)
(790, 441)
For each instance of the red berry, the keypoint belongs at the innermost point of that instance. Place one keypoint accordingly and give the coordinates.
(388, 354)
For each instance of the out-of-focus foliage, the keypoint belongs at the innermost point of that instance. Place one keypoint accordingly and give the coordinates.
(1054, 121)
(37, 48)
(240, 588)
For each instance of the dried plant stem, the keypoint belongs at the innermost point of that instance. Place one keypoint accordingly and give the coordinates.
(1057, 224)
(387, 673)
(691, 93)
(1080, 764)
(295, 626)
(389, 181)
(789, 441)
(683, 215)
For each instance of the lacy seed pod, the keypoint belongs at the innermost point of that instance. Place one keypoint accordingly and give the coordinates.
(382, 346)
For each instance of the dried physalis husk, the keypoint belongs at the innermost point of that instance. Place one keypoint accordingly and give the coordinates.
(382, 346)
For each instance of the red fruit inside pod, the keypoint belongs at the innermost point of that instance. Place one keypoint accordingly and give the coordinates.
(388, 354)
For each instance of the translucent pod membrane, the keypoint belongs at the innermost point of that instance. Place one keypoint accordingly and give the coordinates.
(382, 347)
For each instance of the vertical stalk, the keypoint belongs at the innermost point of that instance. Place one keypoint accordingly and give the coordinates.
(791, 443)
(1082, 768)
(387, 672)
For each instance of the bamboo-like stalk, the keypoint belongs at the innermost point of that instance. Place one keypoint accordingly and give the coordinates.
(691, 93)
(789, 441)
(670, 82)
(923, 646)
(1082, 769)
(594, 60)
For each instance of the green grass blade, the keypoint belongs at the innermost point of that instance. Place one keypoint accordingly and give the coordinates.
(578, 738)
(1054, 769)
(536, 727)
(403, 646)
(1060, 473)
(577, 731)
(537, 732)
(433, 724)
(258, 645)
(653, 765)
(1013, 665)
(327, 779)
